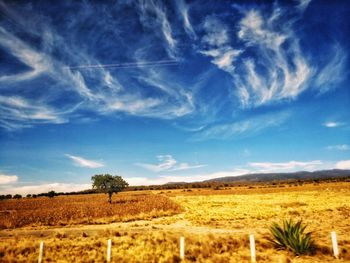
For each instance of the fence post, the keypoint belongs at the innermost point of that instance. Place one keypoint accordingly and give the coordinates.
(252, 248)
(182, 248)
(335, 244)
(109, 250)
(41, 252)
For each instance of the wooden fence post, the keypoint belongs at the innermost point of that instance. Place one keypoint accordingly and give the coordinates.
(335, 244)
(41, 252)
(109, 250)
(182, 248)
(252, 248)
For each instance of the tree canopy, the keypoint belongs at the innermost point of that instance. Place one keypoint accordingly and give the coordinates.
(109, 184)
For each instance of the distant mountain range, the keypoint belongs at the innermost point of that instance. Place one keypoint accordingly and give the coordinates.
(266, 177)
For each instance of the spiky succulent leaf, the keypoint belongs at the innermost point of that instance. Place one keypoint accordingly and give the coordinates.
(291, 236)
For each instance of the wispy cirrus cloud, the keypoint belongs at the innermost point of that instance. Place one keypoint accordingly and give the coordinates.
(181, 100)
(82, 162)
(168, 164)
(333, 124)
(269, 65)
(138, 63)
(95, 89)
(216, 44)
(36, 63)
(290, 166)
(242, 128)
(303, 4)
(183, 10)
(18, 112)
(153, 14)
(339, 147)
(280, 81)
(8, 179)
(334, 71)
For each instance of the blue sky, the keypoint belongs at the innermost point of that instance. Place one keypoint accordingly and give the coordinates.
(159, 91)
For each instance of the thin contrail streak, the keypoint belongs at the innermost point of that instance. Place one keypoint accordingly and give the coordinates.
(128, 65)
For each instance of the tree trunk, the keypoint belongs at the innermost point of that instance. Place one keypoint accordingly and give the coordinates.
(110, 197)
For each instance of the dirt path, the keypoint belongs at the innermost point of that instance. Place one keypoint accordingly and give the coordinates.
(174, 224)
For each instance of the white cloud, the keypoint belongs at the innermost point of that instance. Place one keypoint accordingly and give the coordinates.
(44, 188)
(167, 164)
(154, 10)
(278, 73)
(107, 95)
(216, 32)
(188, 178)
(280, 81)
(249, 168)
(303, 4)
(217, 45)
(183, 9)
(332, 124)
(334, 71)
(180, 102)
(290, 166)
(133, 106)
(223, 57)
(343, 165)
(37, 62)
(269, 65)
(18, 112)
(340, 147)
(79, 161)
(8, 179)
(245, 128)
(254, 31)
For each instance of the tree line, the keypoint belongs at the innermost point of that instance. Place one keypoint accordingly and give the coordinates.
(109, 184)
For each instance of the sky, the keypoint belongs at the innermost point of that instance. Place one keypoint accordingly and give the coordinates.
(170, 91)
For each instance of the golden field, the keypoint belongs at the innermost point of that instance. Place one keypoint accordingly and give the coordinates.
(215, 224)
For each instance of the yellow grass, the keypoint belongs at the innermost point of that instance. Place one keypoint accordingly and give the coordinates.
(319, 208)
(215, 223)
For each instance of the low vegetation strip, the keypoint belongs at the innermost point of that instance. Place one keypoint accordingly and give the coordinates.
(83, 209)
(154, 246)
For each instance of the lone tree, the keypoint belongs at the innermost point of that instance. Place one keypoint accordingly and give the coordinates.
(51, 194)
(108, 184)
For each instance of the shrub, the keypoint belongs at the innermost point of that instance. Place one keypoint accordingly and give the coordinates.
(17, 196)
(292, 237)
(51, 194)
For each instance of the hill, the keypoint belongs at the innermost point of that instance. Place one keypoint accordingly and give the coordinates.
(266, 177)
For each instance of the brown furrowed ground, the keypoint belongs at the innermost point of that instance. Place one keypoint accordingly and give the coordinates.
(215, 224)
(83, 209)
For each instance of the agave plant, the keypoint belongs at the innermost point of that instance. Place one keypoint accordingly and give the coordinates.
(291, 236)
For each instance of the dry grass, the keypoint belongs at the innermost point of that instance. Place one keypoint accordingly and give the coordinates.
(215, 223)
(135, 247)
(258, 210)
(83, 209)
(150, 247)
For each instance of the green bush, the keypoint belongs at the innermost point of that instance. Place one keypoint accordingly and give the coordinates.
(291, 236)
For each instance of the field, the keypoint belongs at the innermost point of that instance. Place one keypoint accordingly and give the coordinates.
(145, 226)
(83, 209)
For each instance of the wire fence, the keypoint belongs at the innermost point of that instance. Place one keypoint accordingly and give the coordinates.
(182, 249)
